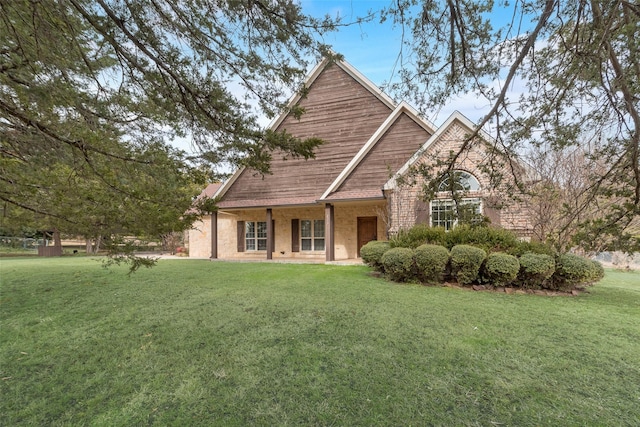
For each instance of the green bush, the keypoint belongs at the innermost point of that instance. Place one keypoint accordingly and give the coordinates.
(418, 235)
(500, 269)
(488, 238)
(398, 264)
(597, 271)
(535, 270)
(466, 262)
(431, 262)
(372, 252)
(532, 247)
(572, 270)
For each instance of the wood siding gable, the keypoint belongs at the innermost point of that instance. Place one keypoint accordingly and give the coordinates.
(400, 136)
(340, 111)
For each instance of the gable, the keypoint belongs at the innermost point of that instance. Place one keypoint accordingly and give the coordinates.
(403, 138)
(342, 112)
(448, 138)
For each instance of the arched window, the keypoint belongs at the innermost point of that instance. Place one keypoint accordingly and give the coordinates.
(463, 181)
(447, 212)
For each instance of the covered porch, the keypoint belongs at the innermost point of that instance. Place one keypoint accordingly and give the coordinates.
(311, 233)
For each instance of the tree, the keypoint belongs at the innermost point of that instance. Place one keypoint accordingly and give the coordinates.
(579, 63)
(91, 91)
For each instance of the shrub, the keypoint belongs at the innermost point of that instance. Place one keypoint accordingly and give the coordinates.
(466, 262)
(372, 252)
(398, 264)
(417, 235)
(500, 269)
(431, 262)
(488, 238)
(533, 247)
(535, 270)
(597, 271)
(572, 270)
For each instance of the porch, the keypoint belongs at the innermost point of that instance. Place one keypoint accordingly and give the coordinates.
(316, 234)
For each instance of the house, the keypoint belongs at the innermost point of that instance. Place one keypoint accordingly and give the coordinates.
(328, 207)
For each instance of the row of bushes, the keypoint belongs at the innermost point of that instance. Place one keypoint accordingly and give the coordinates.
(467, 264)
(491, 239)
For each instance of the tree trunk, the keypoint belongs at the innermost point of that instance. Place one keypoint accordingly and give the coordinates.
(57, 242)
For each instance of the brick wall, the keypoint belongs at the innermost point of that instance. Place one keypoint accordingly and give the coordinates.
(407, 207)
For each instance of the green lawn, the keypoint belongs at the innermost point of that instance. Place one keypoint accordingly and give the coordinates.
(213, 343)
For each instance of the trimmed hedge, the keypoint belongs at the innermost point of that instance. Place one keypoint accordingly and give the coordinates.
(466, 262)
(535, 270)
(597, 271)
(500, 269)
(532, 265)
(418, 235)
(572, 270)
(372, 252)
(533, 247)
(488, 238)
(398, 264)
(431, 262)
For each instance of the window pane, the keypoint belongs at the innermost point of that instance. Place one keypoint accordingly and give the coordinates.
(251, 229)
(305, 228)
(262, 244)
(318, 228)
(442, 213)
(306, 244)
(318, 245)
(251, 244)
(463, 181)
(262, 230)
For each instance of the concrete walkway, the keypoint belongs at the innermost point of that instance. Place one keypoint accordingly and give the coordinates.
(357, 261)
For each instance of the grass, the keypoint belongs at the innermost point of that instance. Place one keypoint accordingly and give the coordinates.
(213, 343)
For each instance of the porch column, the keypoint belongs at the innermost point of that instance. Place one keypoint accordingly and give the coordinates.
(328, 233)
(214, 235)
(269, 234)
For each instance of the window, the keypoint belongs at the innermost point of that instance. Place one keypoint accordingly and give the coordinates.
(312, 235)
(256, 236)
(443, 212)
(463, 182)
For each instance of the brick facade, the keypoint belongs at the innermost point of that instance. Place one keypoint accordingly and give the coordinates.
(501, 203)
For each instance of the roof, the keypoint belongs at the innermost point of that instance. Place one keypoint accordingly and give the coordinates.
(367, 135)
(209, 191)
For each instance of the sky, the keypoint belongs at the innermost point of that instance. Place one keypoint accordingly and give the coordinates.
(372, 48)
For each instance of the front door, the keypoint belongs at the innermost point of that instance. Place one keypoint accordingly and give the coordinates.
(367, 230)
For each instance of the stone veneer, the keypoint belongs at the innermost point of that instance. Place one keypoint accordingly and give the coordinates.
(345, 231)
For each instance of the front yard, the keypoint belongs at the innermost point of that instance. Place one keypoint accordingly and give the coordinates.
(214, 343)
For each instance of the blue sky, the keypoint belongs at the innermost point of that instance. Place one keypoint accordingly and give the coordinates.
(373, 48)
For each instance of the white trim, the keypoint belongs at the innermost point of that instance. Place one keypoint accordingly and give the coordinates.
(315, 73)
(255, 239)
(313, 237)
(455, 116)
(228, 183)
(368, 84)
(403, 107)
(308, 81)
(465, 200)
